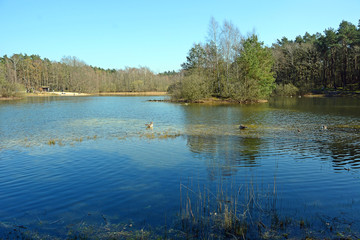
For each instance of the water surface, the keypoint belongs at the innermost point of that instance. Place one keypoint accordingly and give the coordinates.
(66, 161)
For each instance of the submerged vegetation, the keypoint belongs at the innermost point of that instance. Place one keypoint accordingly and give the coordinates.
(224, 211)
(249, 212)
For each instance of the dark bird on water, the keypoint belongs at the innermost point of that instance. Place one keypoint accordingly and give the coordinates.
(324, 127)
(242, 126)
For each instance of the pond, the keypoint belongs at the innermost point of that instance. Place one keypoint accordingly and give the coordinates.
(71, 162)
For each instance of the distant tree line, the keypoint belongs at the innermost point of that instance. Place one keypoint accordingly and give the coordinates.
(319, 61)
(30, 73)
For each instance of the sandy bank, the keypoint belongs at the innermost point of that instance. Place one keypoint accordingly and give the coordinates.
(71, 94)
(46, 94)
(132, 94)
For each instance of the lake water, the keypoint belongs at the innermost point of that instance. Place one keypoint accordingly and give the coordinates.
(67, 162)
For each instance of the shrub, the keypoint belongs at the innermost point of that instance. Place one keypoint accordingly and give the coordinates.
(286, 90)
(191, 88)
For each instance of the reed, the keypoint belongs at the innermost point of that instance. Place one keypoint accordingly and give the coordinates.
(51, 142)
(240, 212)
(79, 139)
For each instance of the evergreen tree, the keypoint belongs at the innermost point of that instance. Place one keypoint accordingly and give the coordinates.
(256, 79)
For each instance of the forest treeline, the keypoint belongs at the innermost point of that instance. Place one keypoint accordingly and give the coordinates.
(20, 73)
(229, 65)
(320, 61)
(226, 65)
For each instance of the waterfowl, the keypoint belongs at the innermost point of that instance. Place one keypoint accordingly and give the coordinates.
(324, 127)
(150, 125)
(242, 126)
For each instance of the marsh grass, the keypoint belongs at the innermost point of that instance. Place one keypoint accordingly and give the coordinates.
(159, 135)
(92, 137)
(228, 212)
(51, 142)
(221, 212)
(249, 212)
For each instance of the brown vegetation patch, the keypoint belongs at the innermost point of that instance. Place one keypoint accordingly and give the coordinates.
(132, 93)
(211, 101)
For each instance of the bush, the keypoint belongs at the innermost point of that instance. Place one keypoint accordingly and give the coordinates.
(191, 88)
(10, 89)
(286, 90)
(245, 91)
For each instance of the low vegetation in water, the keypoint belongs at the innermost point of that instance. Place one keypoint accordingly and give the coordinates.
(249, 212)
(52, 142)
(160, 135)
(229, 212)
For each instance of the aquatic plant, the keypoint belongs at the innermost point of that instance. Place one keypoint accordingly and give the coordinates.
(51, 142)
(92, 137)
(247, 212)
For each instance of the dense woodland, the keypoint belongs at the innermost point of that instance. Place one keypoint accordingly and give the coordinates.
(227, 65)
(320, 61)
(20, 73)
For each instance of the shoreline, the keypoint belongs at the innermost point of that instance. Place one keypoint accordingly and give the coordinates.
(152, 93)
(72, 94)
(211, 101)
(75, 94)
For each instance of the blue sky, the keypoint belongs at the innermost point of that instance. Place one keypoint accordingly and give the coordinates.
(155, 34)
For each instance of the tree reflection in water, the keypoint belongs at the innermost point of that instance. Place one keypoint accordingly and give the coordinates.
(212, 133)
(225, 154)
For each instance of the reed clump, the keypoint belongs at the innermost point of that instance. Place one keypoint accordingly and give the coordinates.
(160, 135)
(248, 212)
(239, 213)
(92, 137)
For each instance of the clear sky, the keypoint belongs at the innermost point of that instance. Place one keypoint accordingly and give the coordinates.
(151, 33)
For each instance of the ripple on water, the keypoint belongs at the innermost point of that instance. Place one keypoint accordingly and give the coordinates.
(105, 161)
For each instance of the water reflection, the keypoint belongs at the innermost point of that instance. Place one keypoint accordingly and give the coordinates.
(286, 125)
(345, 153)
(340, 106)
(213, 134)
